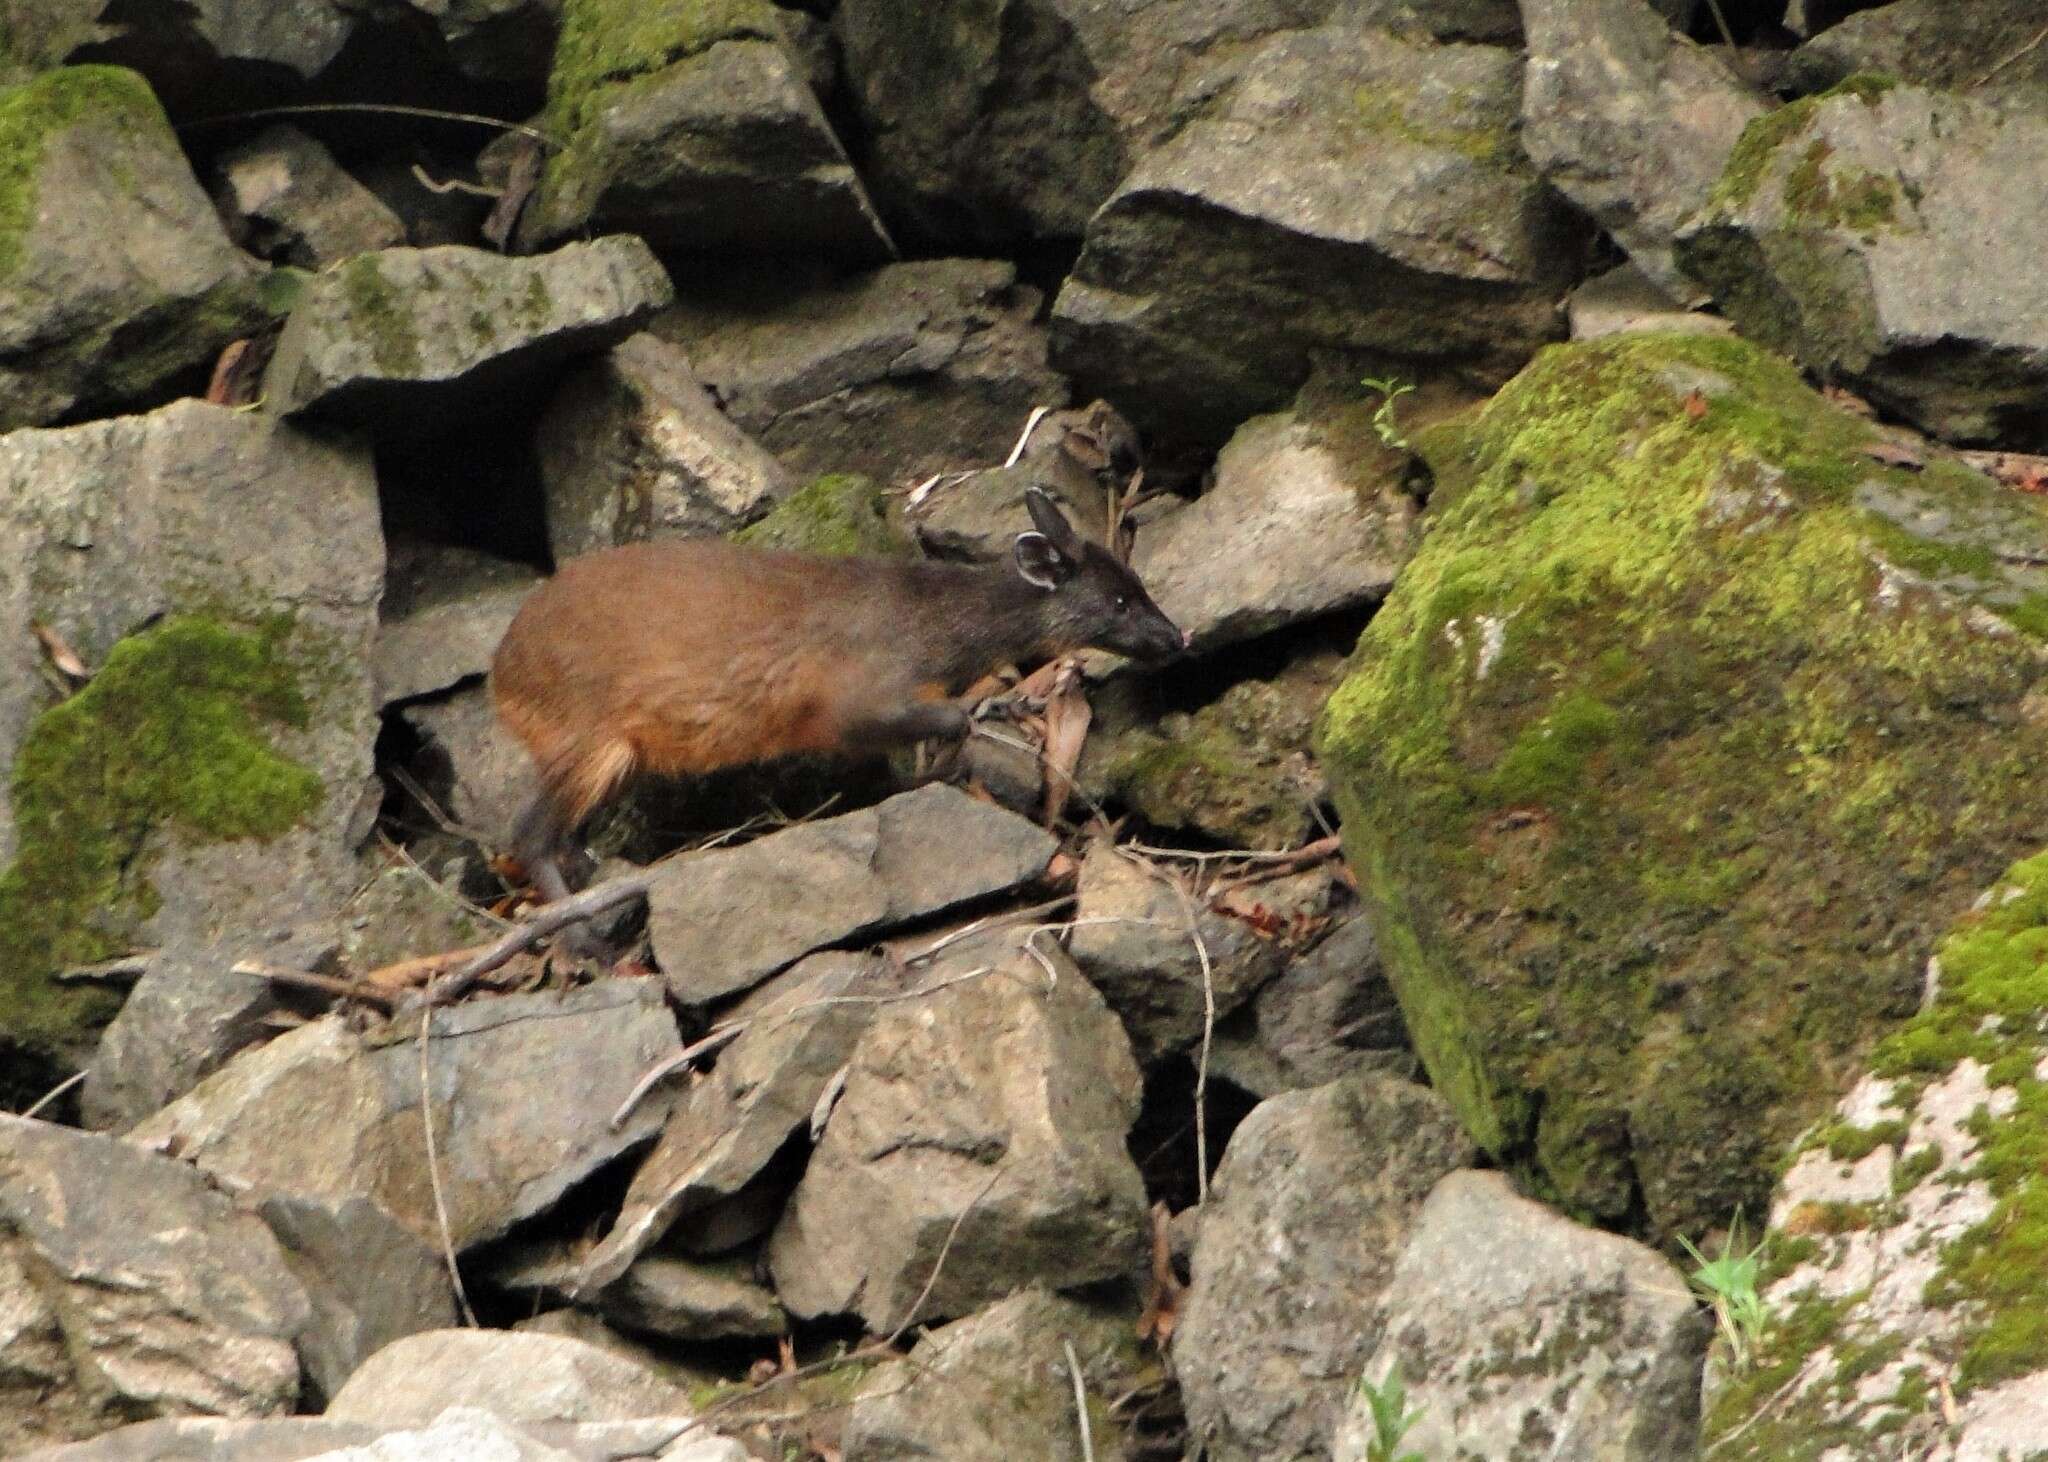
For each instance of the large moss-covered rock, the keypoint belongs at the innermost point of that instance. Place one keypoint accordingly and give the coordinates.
(1673, 748)
(115, 275)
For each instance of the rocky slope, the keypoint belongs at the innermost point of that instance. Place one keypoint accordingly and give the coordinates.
(1552, 972)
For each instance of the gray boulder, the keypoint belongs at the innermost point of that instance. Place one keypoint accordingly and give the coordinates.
(515, 1375)
(633, 447)
(996, 1386)
(457, 1434)
(1982, 46)
(485, 772)
(1872, 234)
(116, 279)
(724, 919)
(1328, 1015)
(220, 572)
(908, 370)
(286, 199)
(325, 1112)
(992, 1109)
(1623, 301)
(1522, 1335)
(659, 1294)
(445, 609)
(131, 1288)
(1134, 938)
(1076, 455)
(1306, 1218)
(698, 130)
(801, 1027)
(1353, 192)
(214, 1439)
(410, 333)
(1630, 121)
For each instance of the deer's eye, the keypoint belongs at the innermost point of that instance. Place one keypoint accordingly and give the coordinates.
(1123, 601)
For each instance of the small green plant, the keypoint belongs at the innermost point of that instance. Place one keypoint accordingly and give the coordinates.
(1391, 1418)
(1384, 425)
(1727, 1285)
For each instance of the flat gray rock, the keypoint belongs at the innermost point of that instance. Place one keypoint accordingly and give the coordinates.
(999, 1102)
(1330, 1014)
(1623, 301)
(633, 447)
(1522, 1335)
(1983, 46)
(132, 1289)
(289, 201)
(659, 1294)
(445, 609)
(411, 332)
(116, 278)
(1307, 1214)
(723, 920)
(516, 1376)
(215, 1439)
(524, 1087)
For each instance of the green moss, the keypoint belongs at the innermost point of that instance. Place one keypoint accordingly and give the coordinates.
(608, 41)
(1751, 156)
(1859, 200)
(1390, 114)
(168, 738)
(1635, 871)
(839, 513)
(1914, 1168)
(37, 110)
(380, 312)
(1847, 1142)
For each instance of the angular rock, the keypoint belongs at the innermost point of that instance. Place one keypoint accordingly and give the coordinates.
(445, 609)
(1328, 1015)
(289, 201)
(1871, 234)
(1134, 939)
(908, 370)
(115, 276)
(1624, 301)
(400, 908)
(1075, 456)
(1237, 769)
(514, 1375)
(534, 1080)
(1983, 46)
(411, 333)
(457, 1434)
(801, 1029)
(215, 1439)
(1307, 1215)
(1900, 1230)
(659, 1294)
(996, 1386)
(633, 447)
(1771, 782)
(1630, 121)
(220, 572)
(994, 1108)
(842, 513)
(1525, 1335)
(164, 1298)
(1354, 192)
(696, 129)
(723, 920)
(370, 1281)
(485, 770)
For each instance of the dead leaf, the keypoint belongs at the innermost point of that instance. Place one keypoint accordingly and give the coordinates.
(1163, 1297)
(61, 654)
(2020, 471)
(1849, 401)
(1067, 717)
(1695, 405)
(522, 175)
(238, 373)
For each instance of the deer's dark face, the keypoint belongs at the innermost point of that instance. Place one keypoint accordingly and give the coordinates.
(1095, 600)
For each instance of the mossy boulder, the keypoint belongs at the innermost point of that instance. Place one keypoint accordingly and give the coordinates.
(839, 513)
(116, 278)
(691, 123)
(1874, 234)
(1682, 736)
(1908, 1237)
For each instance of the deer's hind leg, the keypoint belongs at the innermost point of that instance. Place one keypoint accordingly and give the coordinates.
(573, 784)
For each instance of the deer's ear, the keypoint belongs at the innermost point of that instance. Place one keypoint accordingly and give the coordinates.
(1040, 563)
(1047, 518)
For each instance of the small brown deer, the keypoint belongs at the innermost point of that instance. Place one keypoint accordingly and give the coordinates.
(685, 657)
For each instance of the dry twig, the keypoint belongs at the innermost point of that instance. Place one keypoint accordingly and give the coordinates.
(719, 1036)
(2030, 47)
(131, 966)
(539, 925)
(326, 984)
(434, 1171)
(1080, 1402)
(54, 1092)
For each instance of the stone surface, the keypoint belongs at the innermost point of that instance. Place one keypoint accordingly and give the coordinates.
(633, 447)
(412, 333)
(996, 1386)
(1329, 1014)
(1075, 456)
(1617, 755)
(993, 1108)
(1307, 1214)
(1630, 121)
(1525, 1335)
(1623, 301)
(524, 1090)
(659, 1294)
(905, 371)
(1870, 234)
(214, 1439)
(206, 787)
(487, 774)
(696, 128)
(1353, 192)
(514, 1375)
(1982, 46)
(445, 609)
(116, 279)
(1292, 529)
(1898, 1232)
(801, 1029)
(723, 920)
(457, 1434)
(144, 1292)
(286, 199)
(1136, 941)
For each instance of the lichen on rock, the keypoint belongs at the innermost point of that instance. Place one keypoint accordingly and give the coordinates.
(1685, 732)
(839, 513)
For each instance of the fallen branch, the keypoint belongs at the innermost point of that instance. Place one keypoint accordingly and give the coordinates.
(720, 1036)
(127, 967)
(434, 1171)
(546, 920)
(405, 973)
(1080, 1402)
(326, 984)
(1306, 856)
(54, 1092)
(2028, 48)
